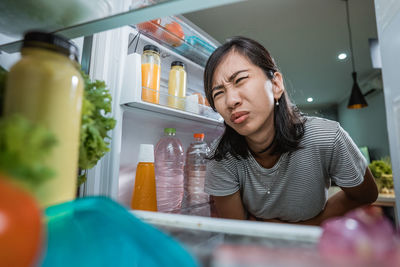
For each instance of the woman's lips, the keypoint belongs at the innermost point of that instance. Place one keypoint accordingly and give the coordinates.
(239, 117)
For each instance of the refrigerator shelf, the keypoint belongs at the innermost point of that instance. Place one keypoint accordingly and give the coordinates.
(289, 232)
(226, 242)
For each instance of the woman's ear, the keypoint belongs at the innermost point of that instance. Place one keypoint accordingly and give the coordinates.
(278, 87)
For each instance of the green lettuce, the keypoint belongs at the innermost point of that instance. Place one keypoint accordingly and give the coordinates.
(24, 147)
(382, 171)
(96, 123)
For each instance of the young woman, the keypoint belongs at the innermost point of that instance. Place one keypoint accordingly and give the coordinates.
(272, 163)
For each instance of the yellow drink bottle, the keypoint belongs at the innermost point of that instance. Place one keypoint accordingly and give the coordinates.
(46, 87)
(177, 85)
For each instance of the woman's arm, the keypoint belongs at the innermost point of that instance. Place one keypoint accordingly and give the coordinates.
(347, 199)
(230, 207)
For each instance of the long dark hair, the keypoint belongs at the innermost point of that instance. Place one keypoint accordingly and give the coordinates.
(288, 121)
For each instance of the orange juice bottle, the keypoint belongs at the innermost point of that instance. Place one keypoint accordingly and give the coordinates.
(144, 192)
(151, 72)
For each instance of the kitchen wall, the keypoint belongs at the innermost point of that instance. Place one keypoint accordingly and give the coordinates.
(367, 126)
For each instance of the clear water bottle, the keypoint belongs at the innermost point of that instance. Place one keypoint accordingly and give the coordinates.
(195, 172)
(169, 163)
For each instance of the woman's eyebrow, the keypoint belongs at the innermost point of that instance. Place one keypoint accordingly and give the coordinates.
(229, 80)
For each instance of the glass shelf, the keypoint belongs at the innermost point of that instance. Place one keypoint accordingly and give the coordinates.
(179, 107)
(18, 12)
(190, 43)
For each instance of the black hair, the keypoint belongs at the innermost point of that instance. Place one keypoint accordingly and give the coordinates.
(288, 120)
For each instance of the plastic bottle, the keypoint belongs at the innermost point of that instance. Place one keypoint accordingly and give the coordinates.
(151, 73)
(144, 192)
(195, 172)
(45, 86)
(169, 163)
(177, 85)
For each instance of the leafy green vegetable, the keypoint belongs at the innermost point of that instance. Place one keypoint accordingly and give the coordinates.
(96, 107)
(379, 167)
(24, 147)
(382, 171)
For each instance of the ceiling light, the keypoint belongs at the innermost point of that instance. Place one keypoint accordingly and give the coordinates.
(342, 56)
(357, 99)
(310, 99)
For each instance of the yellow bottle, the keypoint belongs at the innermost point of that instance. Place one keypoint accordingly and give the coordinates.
(177, 85)
(46, 87)
(144, 193)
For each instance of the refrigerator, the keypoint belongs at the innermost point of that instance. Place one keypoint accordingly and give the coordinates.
(113, 55)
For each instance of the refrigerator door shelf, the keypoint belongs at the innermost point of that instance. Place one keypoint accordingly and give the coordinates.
(209, 117)
(181, 107)
(190, 43)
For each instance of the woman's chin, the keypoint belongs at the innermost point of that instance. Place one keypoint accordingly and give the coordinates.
(244, 131)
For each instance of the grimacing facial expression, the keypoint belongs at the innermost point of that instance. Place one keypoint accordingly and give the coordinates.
(243, 94)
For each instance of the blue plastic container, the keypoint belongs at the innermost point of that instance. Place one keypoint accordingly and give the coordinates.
(196, 49)
(97, 231)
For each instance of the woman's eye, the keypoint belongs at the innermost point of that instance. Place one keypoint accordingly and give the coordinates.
(240, 79)
(217, 93)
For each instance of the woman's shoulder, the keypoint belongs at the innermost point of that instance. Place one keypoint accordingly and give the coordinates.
(318, 129)
(318, 123)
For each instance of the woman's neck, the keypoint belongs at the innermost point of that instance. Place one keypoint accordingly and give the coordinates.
(261, 144)
(262, 139)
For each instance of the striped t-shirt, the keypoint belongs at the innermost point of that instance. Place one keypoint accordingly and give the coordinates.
(296, 187)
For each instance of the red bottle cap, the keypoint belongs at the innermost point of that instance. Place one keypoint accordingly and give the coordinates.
(198, 135)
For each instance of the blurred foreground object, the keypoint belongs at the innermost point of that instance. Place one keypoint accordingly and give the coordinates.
(21, 230)
(97, 231)
(363, 237)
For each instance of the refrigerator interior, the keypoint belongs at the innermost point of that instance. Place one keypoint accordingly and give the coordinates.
(143, 123)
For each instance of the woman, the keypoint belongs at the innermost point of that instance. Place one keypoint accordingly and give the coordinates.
(272, 163)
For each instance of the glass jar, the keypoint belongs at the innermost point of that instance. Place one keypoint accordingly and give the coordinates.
(177, 85)
(151, 72)
(46, 87)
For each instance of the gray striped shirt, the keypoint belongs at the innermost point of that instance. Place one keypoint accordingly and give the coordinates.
(296, 187)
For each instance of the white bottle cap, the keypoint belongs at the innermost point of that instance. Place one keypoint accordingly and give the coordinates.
(146, 153)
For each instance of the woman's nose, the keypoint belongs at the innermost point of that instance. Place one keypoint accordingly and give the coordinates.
(233, 98)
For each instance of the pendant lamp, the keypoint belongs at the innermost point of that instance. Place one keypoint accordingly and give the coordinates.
(357, 99)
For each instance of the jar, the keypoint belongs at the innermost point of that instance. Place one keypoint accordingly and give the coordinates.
(151, 72)
(177, 85)
(46, 87)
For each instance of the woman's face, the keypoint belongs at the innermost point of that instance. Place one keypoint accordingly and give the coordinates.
(243, 94)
